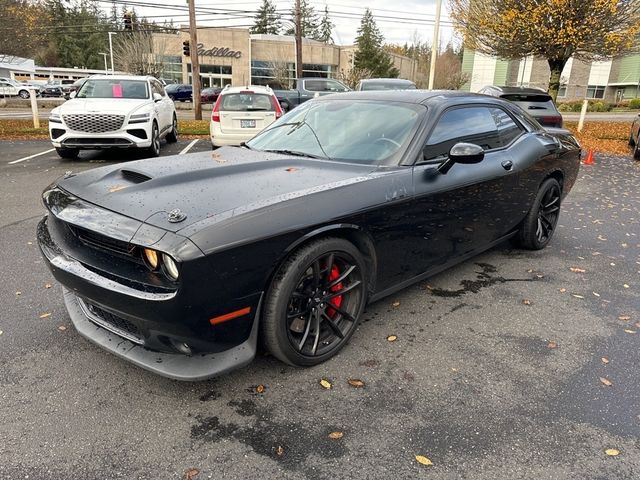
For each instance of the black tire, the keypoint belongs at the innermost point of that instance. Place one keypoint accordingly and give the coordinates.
(631, 142)
(302, 324)
(214, 147)
(154, 149)
(636, 151)
(68, 153)
(538, 226)
(23, 94)
(172, 136)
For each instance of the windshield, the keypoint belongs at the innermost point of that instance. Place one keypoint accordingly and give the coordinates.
(246, 101)
(365, 132)
(113, 88)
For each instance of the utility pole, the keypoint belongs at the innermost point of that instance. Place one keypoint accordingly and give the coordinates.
(298, 33)
(434, 47)
(195, 62)
(111, 50)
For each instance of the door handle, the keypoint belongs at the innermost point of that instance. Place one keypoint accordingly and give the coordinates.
(507, 164)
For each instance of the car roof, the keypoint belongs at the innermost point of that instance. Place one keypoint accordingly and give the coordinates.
(122, 77)
(518, 90)
(424, 97)
(386, 80)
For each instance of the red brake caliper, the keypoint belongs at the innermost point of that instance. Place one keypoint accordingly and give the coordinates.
(337, 301)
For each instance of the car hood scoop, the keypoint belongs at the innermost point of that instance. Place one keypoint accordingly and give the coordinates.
(208, 186)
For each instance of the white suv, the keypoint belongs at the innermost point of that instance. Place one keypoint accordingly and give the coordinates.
(242, 112)
(114, 111)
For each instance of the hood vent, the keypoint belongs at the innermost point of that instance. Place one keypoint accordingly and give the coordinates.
(134, 176)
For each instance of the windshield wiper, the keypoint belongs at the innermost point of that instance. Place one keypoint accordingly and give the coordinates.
(295, 153)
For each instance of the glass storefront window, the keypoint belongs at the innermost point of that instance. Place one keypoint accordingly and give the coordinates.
(172, 67)
(283, 74)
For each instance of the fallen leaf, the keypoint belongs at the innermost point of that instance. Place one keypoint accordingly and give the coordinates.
(260, 389)
(279, 450)
(624, 318)
(392, 338)
(354, 382)
(423, 460)
(336, 435)
(47, 285)
(577, 270)
(18, 293)
(552, 345)
(625, 285)
(62, 328)
(325, 384)
(526, 301)
(191, 474)
(562, 290)
(612, 452)
(396, 304)
(596, 294)
(117, 188)
(45, 315)
(29, 243)
(605, 360)
(629, 331)
(606, 381)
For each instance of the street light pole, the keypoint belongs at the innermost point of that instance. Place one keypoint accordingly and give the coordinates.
(111, 50)
(195, 61)
(434, 47)
(104, 55)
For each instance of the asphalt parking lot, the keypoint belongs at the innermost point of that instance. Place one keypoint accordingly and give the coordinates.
(512, 365)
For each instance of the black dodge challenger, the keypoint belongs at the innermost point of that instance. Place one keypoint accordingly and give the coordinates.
(180, 264)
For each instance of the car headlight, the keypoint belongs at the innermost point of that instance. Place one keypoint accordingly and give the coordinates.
(55, 118)
(140, 118)
(170, 266)
(151, 256)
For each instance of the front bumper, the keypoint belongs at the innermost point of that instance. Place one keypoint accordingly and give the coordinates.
(147, 327)
(136, 135)
(170, 365)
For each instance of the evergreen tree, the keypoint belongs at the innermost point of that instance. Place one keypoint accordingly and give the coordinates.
(267, 20)
(308, 20)
(370, 54)
(325, 28)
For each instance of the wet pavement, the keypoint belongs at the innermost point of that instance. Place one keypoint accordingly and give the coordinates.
(497, 371)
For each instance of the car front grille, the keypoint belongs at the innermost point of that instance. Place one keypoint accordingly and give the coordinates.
(93, 123)
(111, 322)
(102, 242)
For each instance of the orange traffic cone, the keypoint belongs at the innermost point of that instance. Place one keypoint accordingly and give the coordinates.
(588, 160)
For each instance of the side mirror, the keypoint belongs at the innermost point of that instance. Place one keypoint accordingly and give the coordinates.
(73, 95)
(465, 153)
(156, 97)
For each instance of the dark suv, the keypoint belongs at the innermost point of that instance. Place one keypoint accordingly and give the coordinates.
(535, 101)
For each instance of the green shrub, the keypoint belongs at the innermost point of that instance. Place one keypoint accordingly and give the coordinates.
(634, 104)
(599, 106)
(576, 106)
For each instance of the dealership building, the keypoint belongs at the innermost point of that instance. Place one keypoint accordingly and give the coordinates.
(612, 80)
(234, 56)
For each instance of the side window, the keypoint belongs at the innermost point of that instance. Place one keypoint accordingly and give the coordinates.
(508, 130)
(468, 124)
(157, 88)
(315, 85)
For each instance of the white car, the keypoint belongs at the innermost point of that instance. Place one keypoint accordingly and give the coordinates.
(114, 111)
(242, 112)
(11, 88)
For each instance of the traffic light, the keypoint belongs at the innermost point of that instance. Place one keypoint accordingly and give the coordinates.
(127, 21)
(186, 50)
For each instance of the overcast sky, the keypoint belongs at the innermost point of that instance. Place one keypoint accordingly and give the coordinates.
(399, 20)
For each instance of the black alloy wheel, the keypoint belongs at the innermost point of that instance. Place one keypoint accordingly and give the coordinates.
(314, 303)
(154, 148)
(540, 223)
(172, 136)
(23, 93)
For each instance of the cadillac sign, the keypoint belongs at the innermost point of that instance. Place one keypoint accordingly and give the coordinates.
(218, 52)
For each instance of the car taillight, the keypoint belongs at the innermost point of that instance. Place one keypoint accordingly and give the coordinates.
(276, 106)
(215, 114)
(551, 121)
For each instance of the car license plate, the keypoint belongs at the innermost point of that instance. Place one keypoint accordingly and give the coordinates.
(247, 124)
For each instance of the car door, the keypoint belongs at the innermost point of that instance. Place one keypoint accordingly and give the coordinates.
(472, 205)
(3, 88)
(163, 106)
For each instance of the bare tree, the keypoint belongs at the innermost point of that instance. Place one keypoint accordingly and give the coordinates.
(279, 68)
(137, 53)
(352, 77)
(449, 74)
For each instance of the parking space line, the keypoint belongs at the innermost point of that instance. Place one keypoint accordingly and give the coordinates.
(31, 156)
(188, 147)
